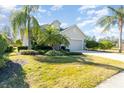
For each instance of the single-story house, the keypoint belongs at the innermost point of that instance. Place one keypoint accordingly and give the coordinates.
(74, 35)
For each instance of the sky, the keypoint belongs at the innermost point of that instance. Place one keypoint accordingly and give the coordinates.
(84, 16)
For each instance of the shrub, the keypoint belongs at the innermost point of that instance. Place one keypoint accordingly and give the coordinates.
(91, 42)
(42, 52)
(28, 52)
(54, 53)
(9, 49)
(74, 53)
(41, 47)
(2, 62)
(18, 43)
(105, 44)
(22, 48)
(3, 44)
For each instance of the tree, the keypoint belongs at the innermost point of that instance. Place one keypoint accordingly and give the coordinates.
(117, 18)
(52, 37)
(112, 39)
(105, 44)
(3, 44)
(6, 33)
(23, 21)
(91, 42)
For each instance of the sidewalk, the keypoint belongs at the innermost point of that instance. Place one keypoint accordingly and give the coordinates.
(116, 81)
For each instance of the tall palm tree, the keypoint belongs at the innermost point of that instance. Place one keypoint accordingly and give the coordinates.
(115, 19)
(23, 21)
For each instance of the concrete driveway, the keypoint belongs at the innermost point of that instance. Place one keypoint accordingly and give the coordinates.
(114, 56)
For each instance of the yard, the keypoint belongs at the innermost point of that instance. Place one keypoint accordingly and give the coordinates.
(82, 71)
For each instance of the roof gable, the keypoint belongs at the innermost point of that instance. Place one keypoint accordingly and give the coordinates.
(74, 29)
(73, 32)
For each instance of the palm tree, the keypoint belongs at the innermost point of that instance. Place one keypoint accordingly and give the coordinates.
(6, 33)
(23, 21)
(116, 19)
(52, 37)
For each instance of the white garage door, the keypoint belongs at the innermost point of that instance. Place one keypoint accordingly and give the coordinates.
(75, 45)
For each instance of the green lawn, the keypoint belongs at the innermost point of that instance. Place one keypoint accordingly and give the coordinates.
(113, 50)
(65, 71)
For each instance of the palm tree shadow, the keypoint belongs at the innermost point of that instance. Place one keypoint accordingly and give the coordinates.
(12, 76)
(111, 67)
(107, 66)
(80, 59)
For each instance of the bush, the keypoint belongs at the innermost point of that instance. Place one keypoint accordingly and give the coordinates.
(41, 47)
(91, 44)
(42, 52)
(22, 48)
(18, 43)
(2, 62)
(3, 44)
(105, 44)
(28, 52)
(74, 53)
(9, 49)
(54, 53)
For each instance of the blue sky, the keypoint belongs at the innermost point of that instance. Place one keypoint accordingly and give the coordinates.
(84, 17)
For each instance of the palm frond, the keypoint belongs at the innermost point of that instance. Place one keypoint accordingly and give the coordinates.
(18, 20)
(107, 22)
(30, 8)
(119, 11)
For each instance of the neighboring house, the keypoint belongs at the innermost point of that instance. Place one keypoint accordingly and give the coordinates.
(73, 34)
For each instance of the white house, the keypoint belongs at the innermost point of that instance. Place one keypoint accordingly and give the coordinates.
(73, 34)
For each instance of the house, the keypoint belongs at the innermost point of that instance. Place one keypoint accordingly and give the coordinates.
(74, 35)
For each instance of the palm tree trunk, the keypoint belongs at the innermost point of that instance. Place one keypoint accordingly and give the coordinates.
(120, 36)
(29, 35)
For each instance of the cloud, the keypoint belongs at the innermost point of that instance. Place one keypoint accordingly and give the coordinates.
(2, 16)
(90, 12)
(45, 11)
(64, 25)
(91, 21)
(56, 7)
(93, 17)
(8, 7)
(86, 7)
(98, 13)
(102, 12)
(82, 24)
(97, 31)
(78, 19)
(42, 10)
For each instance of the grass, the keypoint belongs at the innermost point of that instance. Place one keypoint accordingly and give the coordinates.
(113, 50)
(82, 71)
